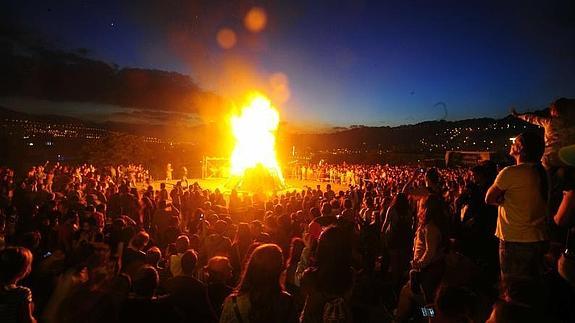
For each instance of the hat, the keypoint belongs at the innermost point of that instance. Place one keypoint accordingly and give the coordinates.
(567, 155)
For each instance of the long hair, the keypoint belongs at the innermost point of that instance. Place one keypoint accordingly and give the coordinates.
(533, 147)
(261, 281)
(431, 210)
(333, 261)
(295, 251)
(401, 204)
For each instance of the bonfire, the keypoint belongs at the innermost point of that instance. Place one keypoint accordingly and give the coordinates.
(254, 164)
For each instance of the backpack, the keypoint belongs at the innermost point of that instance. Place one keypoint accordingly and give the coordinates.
(336, 311)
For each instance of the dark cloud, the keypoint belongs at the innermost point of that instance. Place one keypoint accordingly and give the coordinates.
(155, 117)
(31, 67)
(60, 76)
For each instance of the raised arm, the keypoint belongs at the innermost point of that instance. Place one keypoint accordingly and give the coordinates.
(407, 186)
(414, 192)
(531, 118)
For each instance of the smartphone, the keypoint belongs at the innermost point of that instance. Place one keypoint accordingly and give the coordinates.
(427, 311)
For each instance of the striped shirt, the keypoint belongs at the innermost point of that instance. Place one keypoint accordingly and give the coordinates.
(12, 298)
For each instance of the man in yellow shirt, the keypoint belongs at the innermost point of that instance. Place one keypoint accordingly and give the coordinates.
(521, 193)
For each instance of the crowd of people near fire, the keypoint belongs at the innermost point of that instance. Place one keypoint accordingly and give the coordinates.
(401, 243)
(348, 174)
(44, 175)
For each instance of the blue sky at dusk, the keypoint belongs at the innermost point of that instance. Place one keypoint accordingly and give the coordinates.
(348, 62)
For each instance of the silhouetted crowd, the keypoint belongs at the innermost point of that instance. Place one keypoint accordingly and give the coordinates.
(400, 243)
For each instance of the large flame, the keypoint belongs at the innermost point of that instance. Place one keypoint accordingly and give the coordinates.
(254, 132)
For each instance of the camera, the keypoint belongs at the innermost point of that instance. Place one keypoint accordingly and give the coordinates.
(427, 311)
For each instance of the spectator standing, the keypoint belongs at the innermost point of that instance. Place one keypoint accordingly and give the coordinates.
(218, 272)
(428, 263)
(559, 129)
(397, 233)
(169, 172)
(143, 306)
(328, 283)
(521, 193)
(259, 296)
(188, 294)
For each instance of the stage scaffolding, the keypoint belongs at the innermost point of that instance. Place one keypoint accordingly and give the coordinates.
(215, 167)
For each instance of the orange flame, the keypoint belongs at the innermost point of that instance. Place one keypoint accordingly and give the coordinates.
(254, 132)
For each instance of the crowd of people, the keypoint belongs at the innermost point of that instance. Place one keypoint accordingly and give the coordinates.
(82, 246)
(400, 243)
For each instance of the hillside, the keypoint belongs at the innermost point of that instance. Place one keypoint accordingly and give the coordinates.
(470, 134)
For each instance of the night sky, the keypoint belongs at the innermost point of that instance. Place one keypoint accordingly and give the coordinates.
(347, 62)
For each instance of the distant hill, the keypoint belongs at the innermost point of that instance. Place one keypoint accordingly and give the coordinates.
(11, 114)
(190, 134)
(469, 134)
(429, 136)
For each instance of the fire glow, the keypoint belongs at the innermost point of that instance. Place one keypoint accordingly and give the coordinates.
(254, 133)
